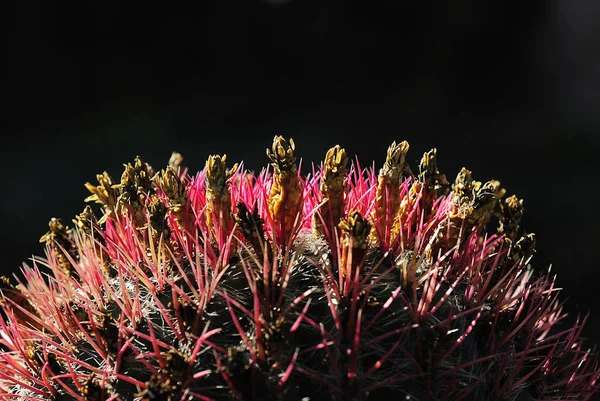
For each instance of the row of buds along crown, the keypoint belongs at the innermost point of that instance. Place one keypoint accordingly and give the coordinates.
(347, 284)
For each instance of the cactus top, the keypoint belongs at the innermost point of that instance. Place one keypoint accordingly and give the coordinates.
(347, 284)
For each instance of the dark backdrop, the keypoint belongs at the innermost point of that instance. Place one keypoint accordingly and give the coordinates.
(508, 89)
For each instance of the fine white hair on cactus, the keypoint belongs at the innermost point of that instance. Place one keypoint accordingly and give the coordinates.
(348, 284)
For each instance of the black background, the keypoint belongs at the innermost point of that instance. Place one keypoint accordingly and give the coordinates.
(511, 90)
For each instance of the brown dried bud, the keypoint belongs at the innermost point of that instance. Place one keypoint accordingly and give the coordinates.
(332, 187)
(174, 189)
(435, 184)
(354, 243)
(128, 195)
(484, 202)
(58, 232)
(176, 161)
(157, 218)
(357, 230)
(524, 247)
(59, 239)
(395, 162)
(334, 169)
(251, 225)
(464, 185)
(138, 176)
(387, 198)
(429, 174)
(104, 194)
(134, 188)
(218, 198)
(286, 197)
(282, 155)
(511, 212)
(85, 220)
(217, 176)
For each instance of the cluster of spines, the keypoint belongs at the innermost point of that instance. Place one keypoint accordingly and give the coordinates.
(345, 285)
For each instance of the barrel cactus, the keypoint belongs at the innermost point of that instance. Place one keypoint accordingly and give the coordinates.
(345, 284)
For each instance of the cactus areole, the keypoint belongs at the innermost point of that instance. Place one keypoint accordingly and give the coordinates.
(348, 284)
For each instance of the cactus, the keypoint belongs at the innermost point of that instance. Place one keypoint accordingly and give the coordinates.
(347, 284)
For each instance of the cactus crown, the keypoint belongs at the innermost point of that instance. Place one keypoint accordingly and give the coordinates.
(343, 285)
